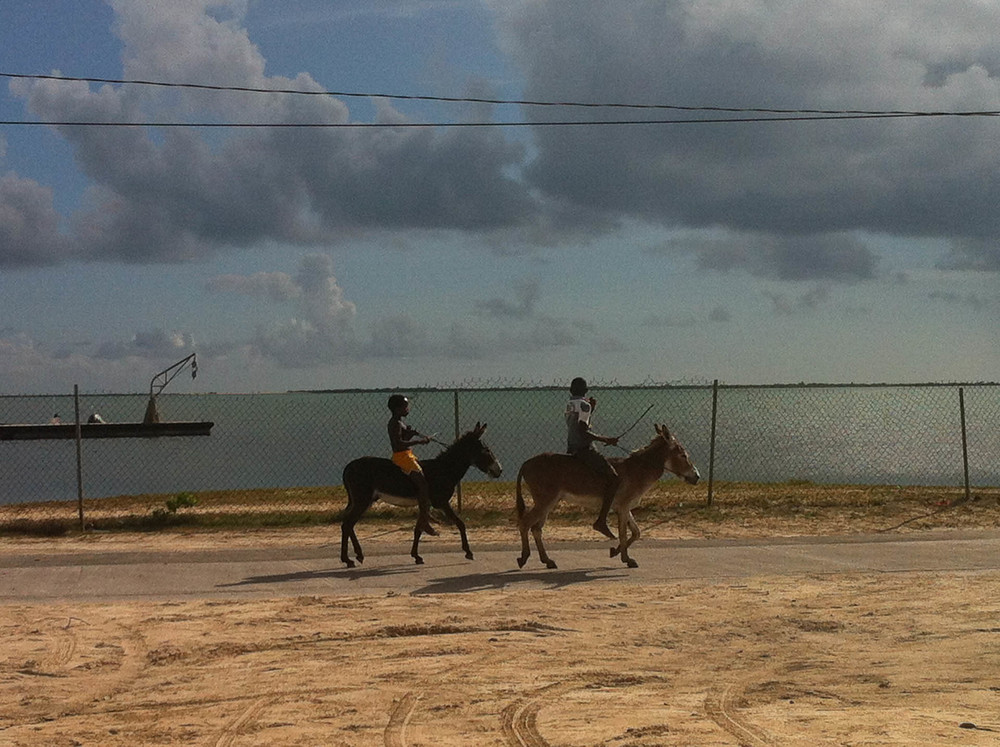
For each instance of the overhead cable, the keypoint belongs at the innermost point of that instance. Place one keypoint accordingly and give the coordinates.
(563, 123)
(837, 113)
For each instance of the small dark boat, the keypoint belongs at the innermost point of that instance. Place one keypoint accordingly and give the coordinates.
(37, 432)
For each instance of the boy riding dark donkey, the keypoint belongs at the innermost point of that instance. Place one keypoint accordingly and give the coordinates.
(402, 439)
(580, 443)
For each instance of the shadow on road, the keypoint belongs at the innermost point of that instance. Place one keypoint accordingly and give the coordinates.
(350, 574)
(553, 579)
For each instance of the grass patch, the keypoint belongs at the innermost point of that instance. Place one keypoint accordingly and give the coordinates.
(797, 506)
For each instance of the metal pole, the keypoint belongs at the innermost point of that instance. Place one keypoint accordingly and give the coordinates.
(457, 434)
(79, 455)
(711, 448)
(965, 443)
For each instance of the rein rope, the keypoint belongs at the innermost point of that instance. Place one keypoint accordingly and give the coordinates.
(432, 439)
(627, 430)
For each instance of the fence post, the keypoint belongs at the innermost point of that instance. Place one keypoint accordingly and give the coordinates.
(965, 443)
(457, 434)
(711, 447)
(79, 455)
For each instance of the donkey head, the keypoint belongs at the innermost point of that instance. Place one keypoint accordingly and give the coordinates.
(483, 458)
(678, 460)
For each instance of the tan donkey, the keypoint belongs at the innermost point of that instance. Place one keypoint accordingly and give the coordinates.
(551, 478)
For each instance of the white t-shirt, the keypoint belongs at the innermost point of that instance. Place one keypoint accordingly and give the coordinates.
(578, 410)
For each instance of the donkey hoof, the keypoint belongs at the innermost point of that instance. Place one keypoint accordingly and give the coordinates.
(521, 562)
(418, 560)
(550, 564)
(468, 555)
(614, 551)
(349, 563)
(631, 563)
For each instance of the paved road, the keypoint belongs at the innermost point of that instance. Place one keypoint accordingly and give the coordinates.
(317, 570)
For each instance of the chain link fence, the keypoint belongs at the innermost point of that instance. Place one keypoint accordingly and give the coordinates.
(272, 457)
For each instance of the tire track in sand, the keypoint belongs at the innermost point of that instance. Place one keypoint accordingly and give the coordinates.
(721, 707)
(402, 710)
(243, 720)
(519, 720)
(60, 642)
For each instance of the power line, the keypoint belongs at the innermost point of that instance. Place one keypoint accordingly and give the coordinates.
(561, 123)
(834, 113)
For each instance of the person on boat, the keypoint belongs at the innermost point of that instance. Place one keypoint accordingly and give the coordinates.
(580, 440)
(402, 439)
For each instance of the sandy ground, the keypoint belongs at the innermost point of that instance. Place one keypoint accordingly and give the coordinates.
(850, 659)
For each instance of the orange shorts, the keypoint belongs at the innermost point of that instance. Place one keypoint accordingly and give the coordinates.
(406, 461)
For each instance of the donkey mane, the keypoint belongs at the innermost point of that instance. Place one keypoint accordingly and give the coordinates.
(641, 451)
(460, 443)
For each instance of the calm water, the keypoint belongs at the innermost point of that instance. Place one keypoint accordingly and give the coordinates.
(906, 435)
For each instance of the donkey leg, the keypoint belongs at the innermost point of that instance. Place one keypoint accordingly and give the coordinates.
(352, 513)
(633, 535)
(525, 545)
(455, 519)
(345, 535)
(536, 531)
(358, 553)
(416, 541)
(423, 503)
(525, 523)
(622, 534)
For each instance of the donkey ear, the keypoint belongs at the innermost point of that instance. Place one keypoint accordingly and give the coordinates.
(480, 427)
(658, 428)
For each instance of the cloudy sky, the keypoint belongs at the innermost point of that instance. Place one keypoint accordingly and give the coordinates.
(529, 251)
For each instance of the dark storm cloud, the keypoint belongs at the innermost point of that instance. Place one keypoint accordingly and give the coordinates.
(902, 177)
(29, 224)
(822, 257)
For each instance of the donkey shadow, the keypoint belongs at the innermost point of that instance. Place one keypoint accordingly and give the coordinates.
(350, 574)
(549, 579)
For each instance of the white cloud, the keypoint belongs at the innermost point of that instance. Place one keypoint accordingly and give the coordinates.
(324, 330)
(171, 195)
(796, 192)
(156, 344)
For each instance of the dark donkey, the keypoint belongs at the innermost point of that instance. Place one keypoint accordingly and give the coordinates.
(369, 479)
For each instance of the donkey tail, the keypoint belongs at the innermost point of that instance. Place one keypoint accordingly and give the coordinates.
(518, 495)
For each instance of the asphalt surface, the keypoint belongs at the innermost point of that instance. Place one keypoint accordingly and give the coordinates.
(275, 572)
